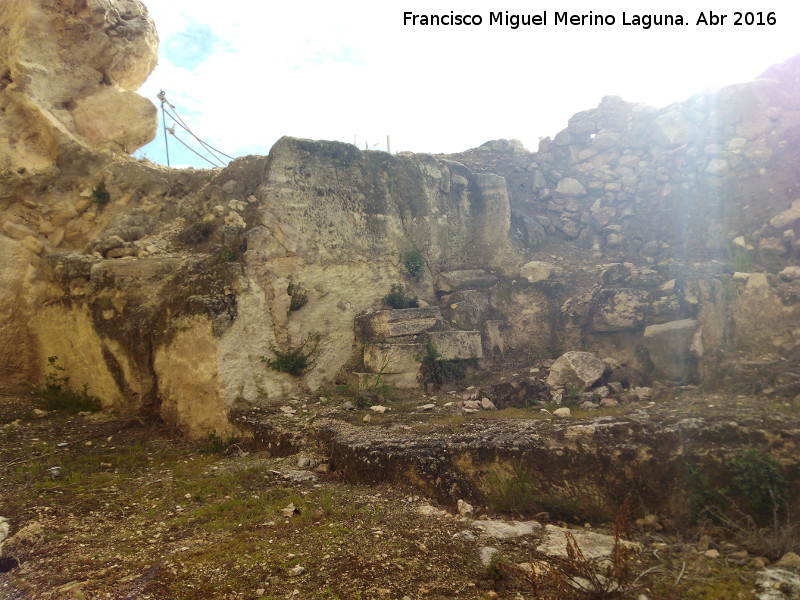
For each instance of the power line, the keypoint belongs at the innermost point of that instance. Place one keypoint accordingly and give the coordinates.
(177, 120)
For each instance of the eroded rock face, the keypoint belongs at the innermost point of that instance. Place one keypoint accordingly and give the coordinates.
(67, 75)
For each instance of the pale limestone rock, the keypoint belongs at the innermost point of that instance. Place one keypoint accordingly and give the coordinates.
(593, 545)
(787, 217)
(562, 412)
(453, 345)
(71, 74)
(25, 542)
(505, 530)
(392, 358)
(115, 119)
(536, 270)
(790, 560)
(452, 281)
(673, 129)
(718, 167)
(669, 346)
(383, 325)
(620, 309)
(18, 362)
(791, 273)
(570, 187)
(575, 369)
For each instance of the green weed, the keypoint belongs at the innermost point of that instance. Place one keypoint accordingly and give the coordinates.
(397, 298)
(55, 395)
(295, 360)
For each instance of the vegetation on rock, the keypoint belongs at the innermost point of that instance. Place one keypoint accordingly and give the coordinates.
(295, 360)
(397, 298)
(56, 395)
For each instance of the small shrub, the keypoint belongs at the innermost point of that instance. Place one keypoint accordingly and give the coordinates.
(414, 263)
(397, 298)
(576, 577)
(197, 233)
(572, 397)
(295, 360)
(298, 297)
(100, 194)
(759, 481)
(55, 394)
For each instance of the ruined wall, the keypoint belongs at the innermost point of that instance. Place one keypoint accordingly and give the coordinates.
(660, 208)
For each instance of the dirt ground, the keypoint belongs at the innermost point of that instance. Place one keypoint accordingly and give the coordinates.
(118, 508)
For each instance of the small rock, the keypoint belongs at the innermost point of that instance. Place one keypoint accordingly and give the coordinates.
(465, 535)
(588, 405)
(38, 413)
(487, 553)
(323, 468)
(464, 508)
(260, 592)
(790, 273)
(790, 559)
(290, 510)
(297, 571)
(487, 404)
(367, 419)
(712, 553)
(348, 405)
(5, 527)
(471, 404)
(379, 409)
(427, 407)
(608, 403)
(564, 411)
(303, 462)
(760, 562)
(704, 543)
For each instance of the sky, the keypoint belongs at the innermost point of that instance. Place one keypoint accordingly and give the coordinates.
(243, 73)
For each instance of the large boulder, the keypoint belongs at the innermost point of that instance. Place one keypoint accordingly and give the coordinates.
(669, 346)
(575, 369)
(67, 79)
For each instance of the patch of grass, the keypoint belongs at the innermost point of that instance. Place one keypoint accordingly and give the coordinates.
(56, 395)
(225, 255)
(397, 298)
(295, 360)
(513, 492)
(214, 444)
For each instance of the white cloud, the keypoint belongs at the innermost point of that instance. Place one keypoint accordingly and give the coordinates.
(337, 70)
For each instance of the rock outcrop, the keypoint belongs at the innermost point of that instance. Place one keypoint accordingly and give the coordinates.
(68, 71)
(661, 240)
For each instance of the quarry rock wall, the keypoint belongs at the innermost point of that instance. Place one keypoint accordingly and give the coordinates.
(664, 240)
